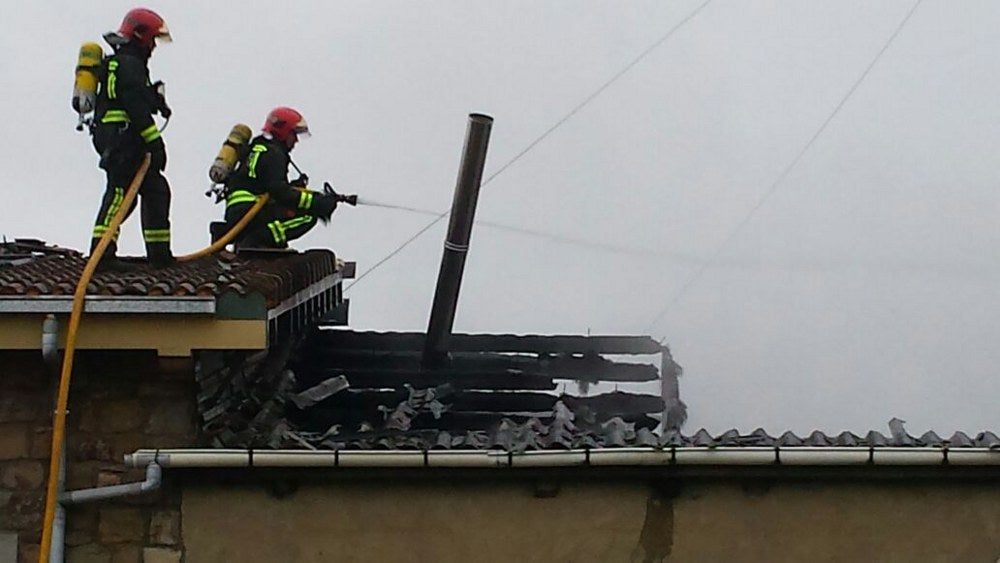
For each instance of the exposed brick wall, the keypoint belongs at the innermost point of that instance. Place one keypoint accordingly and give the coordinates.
(119, 402)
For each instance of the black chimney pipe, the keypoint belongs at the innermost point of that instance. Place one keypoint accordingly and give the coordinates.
(456, 244)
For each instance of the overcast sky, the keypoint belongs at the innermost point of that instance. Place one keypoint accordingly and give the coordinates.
(862, 286)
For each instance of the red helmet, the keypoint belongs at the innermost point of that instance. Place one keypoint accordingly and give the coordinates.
(282, 123)
(145, 27)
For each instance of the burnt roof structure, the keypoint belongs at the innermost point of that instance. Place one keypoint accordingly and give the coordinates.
(355, 391)
(343, 388)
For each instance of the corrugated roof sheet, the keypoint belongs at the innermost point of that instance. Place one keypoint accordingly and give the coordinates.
(533, 434)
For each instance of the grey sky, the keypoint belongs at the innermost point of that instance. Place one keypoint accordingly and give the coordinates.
(863, 288)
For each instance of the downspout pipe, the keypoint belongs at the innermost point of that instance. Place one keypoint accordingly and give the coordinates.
(456, 244)
(154, 477)
(50, 344)
(50, 355)
(57, 549)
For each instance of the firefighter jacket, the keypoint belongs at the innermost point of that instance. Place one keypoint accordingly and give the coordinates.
(265, 171)
(127, 97)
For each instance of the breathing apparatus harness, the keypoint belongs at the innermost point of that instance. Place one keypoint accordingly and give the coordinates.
(91, 68)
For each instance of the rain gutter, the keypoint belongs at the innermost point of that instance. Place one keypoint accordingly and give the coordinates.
(608, 457)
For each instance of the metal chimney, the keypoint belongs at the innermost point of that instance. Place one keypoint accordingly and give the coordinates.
(456, 244)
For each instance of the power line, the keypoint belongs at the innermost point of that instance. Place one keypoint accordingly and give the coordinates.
(542, 137)
(784, 174)
(600, 90)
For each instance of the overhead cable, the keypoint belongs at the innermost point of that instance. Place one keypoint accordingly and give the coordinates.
(542, 137)
(784, 174)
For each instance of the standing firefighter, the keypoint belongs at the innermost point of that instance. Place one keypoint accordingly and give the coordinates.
(292, 209)
(123, 131)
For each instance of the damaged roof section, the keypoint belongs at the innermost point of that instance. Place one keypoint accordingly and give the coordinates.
(347, 389)
(24, 250)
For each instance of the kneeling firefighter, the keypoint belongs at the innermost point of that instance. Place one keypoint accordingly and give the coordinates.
(292, 209)
(123, 131)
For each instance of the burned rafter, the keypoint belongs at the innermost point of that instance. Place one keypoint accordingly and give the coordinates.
(508, 343)
(325, 363)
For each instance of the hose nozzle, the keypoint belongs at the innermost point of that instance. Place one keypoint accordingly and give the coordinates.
(351, 199)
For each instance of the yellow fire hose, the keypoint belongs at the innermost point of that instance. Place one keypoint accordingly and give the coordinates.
(230, 235)
(79, 296)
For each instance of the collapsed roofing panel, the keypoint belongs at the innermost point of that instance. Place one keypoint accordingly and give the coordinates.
(365, 389)
(315, 398)
(334, 393)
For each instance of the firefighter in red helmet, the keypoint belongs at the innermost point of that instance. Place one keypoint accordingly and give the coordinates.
(123, 131)
(292, 209)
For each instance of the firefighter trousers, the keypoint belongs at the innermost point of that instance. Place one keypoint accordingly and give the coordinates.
(273, 227)
(154, 198)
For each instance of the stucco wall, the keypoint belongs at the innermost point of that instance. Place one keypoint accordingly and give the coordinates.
(840, 521)
(372, 522)
(506, 521)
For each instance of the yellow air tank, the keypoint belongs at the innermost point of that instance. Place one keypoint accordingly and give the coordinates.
(231, 152)
(88, 68)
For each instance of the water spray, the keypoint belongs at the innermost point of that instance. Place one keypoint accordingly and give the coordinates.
(573, 241)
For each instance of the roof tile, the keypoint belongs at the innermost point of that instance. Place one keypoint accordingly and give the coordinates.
(817, 438)
(790, 439)
(988, 440)
(40, 270)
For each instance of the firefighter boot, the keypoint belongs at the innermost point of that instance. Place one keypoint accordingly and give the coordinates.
(159, 255)
(109, 262)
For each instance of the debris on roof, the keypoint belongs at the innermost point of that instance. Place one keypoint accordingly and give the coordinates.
(369, 390)
(345, 390)
(25, 250)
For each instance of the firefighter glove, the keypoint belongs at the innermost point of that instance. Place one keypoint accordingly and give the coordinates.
(324, 205)
(161, 99)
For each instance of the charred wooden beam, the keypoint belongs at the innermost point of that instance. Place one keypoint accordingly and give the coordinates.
(506, 343)
(589, 368)
(617, 403)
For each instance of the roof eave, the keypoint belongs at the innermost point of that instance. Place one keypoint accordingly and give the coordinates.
(103, 304)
